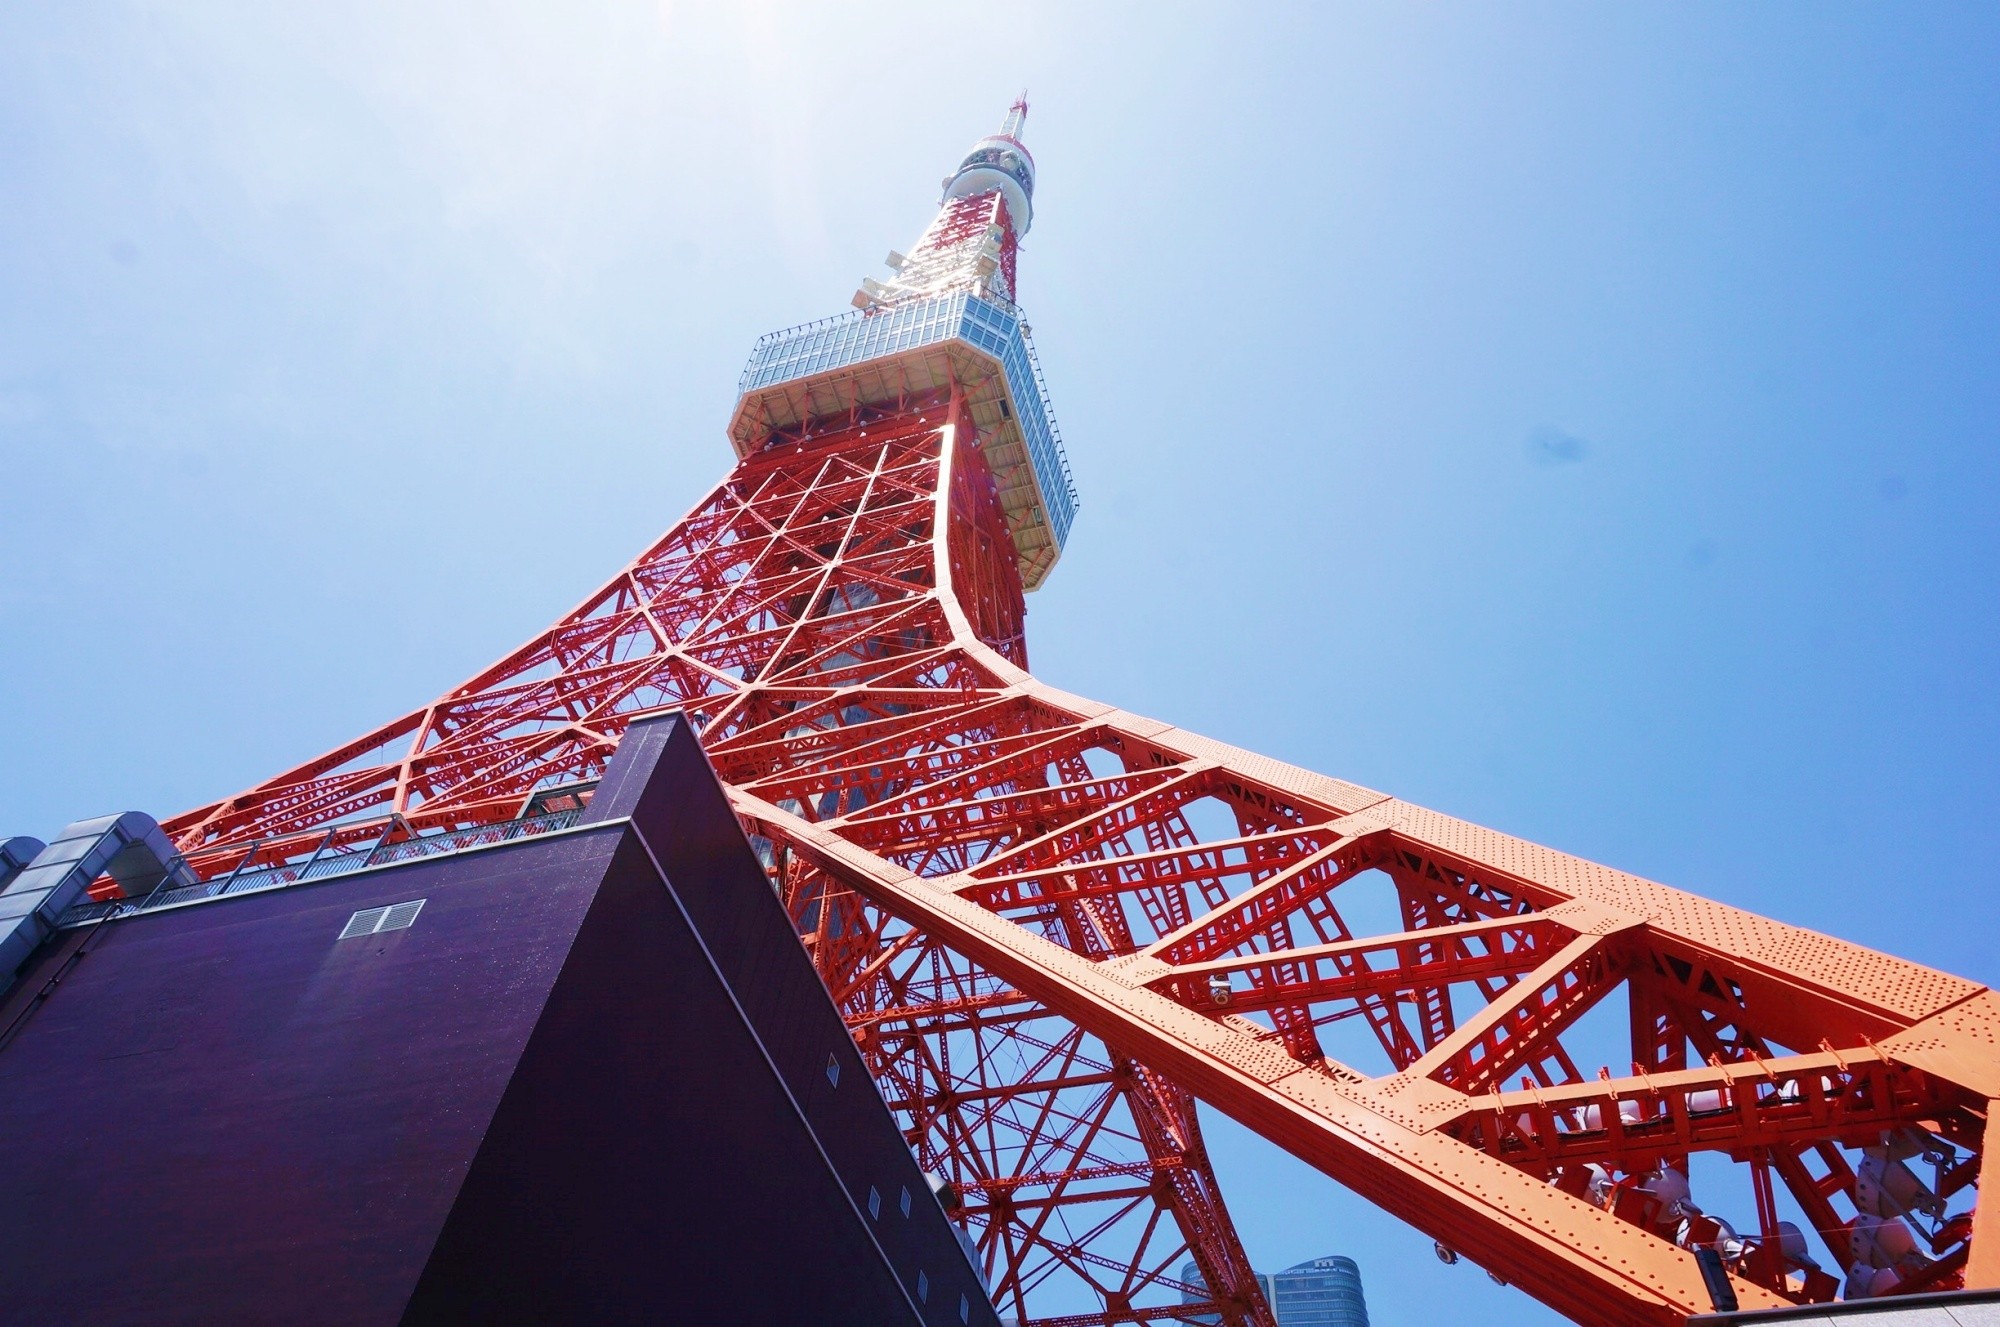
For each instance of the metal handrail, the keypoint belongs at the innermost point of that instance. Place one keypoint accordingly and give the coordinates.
(854, 315)
(282, 875)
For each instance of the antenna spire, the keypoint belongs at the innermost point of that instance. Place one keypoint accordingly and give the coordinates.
(1017, 115)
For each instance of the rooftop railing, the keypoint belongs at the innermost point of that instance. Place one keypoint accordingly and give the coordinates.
(325, 862)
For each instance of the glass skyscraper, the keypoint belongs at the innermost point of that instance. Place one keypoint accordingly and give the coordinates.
(1321, 1292)
(1324, 1292)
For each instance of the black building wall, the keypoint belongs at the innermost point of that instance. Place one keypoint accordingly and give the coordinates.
(589, 1084)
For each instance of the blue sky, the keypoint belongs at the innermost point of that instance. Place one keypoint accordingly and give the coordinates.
(1578, 419)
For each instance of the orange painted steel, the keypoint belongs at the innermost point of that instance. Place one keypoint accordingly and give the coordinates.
(1008, 896)
(1053, 926)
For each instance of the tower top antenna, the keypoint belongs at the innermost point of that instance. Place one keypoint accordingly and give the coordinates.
(1017, 115)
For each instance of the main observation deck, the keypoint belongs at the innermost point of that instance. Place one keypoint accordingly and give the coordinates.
(877, 355)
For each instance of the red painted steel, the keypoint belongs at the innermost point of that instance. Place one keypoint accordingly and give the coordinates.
(1053, 926)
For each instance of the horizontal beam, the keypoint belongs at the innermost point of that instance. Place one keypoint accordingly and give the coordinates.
(1376, 967)
(1842, 1097)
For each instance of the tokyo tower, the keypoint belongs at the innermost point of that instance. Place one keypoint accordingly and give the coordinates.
(1053, 926)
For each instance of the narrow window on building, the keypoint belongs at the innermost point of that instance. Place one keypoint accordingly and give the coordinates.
(906, 1200)
(874, 1203)
(923, 1288)
(401, 916)
(964, 1309)
(833, 1070)
(363, 922)
(374, 921)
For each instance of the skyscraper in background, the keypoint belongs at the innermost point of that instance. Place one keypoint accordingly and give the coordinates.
(1321, 1292)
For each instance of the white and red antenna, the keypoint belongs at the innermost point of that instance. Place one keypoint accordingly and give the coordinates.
(988, 205)
(1017, 115)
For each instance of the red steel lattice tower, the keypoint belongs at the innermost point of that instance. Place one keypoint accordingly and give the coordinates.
(1053, 926)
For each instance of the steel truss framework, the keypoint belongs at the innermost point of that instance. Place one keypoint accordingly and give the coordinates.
(1052, 926)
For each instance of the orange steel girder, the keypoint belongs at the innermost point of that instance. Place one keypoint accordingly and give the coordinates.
(1052, 926)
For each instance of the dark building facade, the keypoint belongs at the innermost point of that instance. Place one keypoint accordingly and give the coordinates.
(587, 1076)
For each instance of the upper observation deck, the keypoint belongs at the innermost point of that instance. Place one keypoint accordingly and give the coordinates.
(918, 344)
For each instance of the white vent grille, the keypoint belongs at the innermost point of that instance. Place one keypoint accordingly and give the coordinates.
(373, 921)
